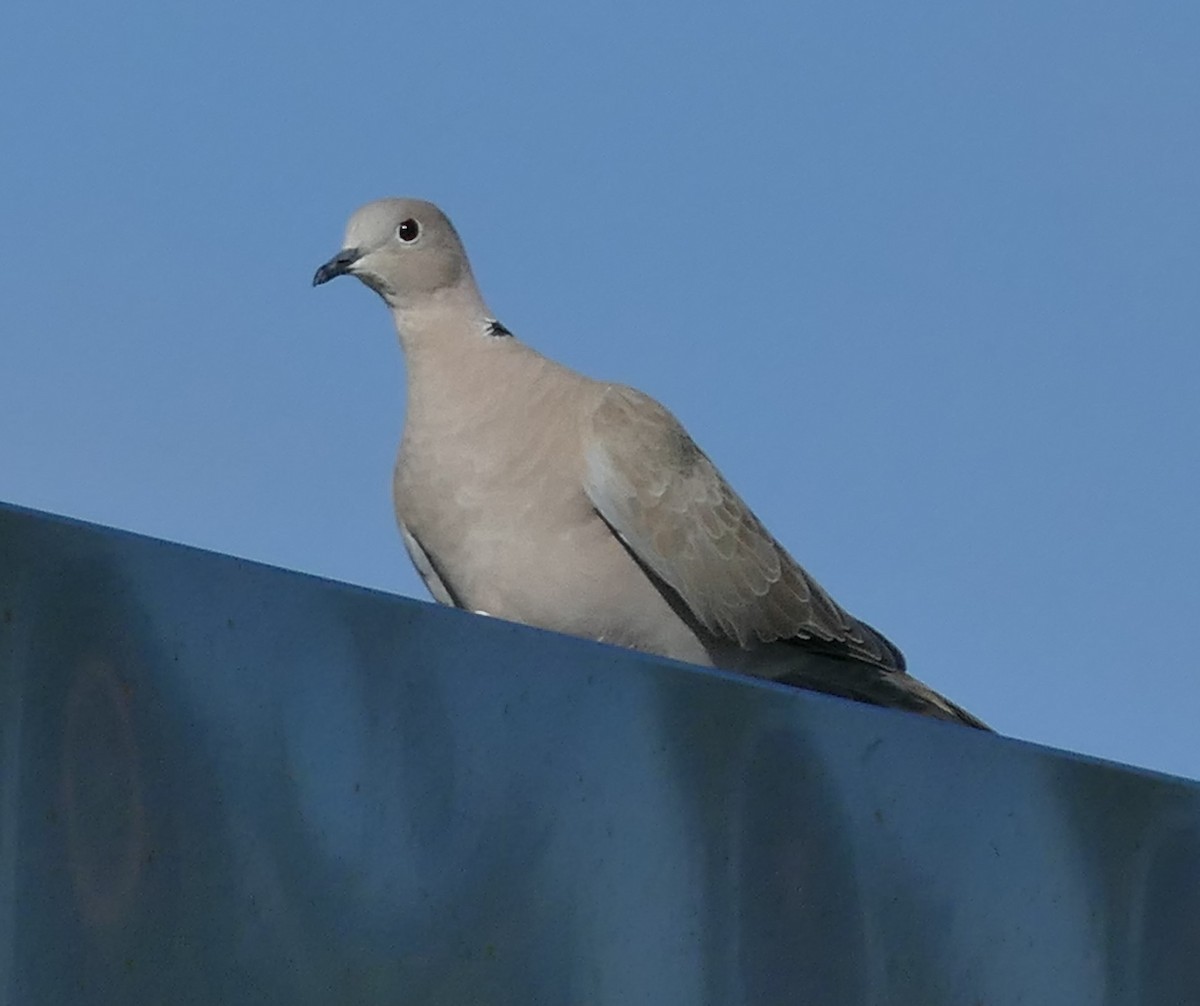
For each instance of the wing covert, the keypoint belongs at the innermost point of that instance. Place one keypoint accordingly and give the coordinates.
(671, 507)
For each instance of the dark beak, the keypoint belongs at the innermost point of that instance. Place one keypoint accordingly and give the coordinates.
(339, 265)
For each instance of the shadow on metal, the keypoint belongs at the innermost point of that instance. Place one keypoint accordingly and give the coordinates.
(227, 783)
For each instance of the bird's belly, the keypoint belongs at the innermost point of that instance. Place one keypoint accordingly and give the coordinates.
(565, 572)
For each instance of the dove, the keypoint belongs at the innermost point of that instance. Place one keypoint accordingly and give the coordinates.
(530, 492)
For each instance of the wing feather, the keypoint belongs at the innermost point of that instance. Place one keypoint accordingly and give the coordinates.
(666, 500)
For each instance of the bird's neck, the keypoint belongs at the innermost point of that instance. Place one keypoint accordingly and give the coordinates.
(426, 326)
(456, 359)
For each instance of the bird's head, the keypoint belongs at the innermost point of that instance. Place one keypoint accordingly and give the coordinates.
(405, 250)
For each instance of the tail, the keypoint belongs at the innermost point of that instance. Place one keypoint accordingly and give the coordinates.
(877, 686)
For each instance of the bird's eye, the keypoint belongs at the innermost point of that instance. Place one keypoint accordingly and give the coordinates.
(407, 230)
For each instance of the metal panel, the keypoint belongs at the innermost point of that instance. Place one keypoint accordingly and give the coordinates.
(226, 783)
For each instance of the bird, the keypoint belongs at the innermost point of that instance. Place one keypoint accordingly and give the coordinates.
(530, 492)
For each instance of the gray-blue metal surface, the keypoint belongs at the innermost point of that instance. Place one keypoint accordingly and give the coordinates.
(227, 783)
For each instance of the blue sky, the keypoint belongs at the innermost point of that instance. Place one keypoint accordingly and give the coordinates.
(923, 279)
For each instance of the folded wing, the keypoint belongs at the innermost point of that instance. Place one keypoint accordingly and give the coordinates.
(670, 506)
